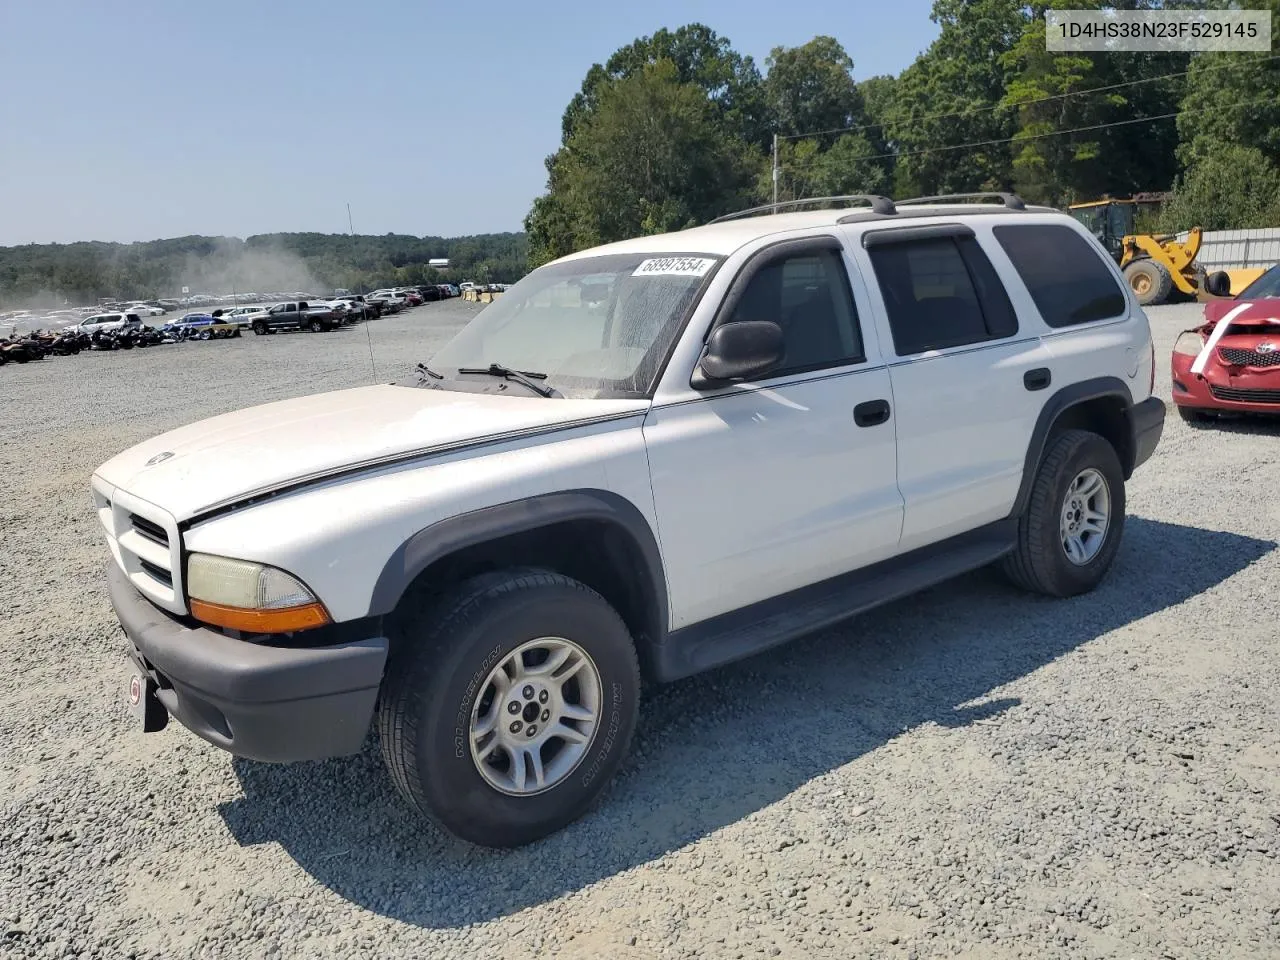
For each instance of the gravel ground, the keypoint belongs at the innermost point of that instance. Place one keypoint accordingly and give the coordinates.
(971, 773)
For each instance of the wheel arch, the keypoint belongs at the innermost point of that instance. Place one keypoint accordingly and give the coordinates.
(595, 536)
(1102, 405)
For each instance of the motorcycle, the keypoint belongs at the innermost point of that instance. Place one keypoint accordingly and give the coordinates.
(66, 344)
(102, 340)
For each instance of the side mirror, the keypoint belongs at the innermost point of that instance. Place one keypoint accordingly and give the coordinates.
(742, 349)
(1218, 284)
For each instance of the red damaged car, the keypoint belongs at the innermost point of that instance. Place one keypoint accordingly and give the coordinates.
(1231, 362)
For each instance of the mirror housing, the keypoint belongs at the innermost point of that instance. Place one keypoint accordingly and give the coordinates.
(741, 349)
(1218, 284)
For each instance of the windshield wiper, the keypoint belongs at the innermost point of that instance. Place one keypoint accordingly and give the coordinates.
(423, 368)
(523, 377)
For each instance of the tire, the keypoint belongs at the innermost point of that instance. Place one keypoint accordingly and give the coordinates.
(259, 327)
(205, 335)
(1150, 281)
(448, 649)
(1192, 415)
(1040, 562)
(316, 326)
(235, 333)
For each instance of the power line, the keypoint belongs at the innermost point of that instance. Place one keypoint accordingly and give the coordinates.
(1009, 106)
(1059, 133)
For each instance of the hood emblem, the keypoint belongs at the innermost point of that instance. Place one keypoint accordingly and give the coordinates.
(159, 458)
(1267, 347)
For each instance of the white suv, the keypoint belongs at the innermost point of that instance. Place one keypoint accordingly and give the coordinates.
(110, 323)
(644, 460)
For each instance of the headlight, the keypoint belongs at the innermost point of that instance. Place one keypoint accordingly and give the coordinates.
(249, 596)
(1189, 344)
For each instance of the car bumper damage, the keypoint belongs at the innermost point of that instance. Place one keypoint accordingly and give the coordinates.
(255, 700)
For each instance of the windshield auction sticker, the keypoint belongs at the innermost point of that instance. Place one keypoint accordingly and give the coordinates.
(1126, 31)
(674, 267)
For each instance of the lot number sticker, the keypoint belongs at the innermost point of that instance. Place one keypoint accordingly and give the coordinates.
(674, 267)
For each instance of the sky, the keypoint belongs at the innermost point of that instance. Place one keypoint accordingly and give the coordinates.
(145, 119)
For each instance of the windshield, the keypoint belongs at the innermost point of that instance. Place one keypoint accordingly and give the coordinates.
(597, 327)
(1265, 287)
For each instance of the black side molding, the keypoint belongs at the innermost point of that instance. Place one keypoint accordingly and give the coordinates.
(770, 623)
(520, 516)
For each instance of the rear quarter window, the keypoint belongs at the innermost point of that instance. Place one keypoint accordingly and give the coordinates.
(1066, 277)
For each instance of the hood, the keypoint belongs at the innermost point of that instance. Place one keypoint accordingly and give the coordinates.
(1260, 313)
(252, 451)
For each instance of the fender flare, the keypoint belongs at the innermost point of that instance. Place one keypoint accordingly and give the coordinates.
(448, 536)
(1070, 396)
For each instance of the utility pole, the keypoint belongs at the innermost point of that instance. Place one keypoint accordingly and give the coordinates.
(775, 169)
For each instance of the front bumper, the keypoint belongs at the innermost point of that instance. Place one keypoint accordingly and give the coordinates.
(263, 702)
(1147, 419)
(1197, 391)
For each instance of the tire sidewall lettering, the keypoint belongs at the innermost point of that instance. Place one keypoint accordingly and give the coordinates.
(462, 720)
(611, 734)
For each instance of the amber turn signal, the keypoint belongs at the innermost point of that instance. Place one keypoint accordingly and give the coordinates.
(278, 620)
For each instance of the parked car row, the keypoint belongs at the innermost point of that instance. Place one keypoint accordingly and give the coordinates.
(125, 329)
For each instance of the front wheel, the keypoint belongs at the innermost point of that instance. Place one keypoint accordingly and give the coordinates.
(316, 326)
(259, 327)
(1071, 529)
(510, 707)
(1150, 281)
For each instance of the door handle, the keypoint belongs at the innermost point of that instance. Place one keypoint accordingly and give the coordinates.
(872, 413)
(1037, 379)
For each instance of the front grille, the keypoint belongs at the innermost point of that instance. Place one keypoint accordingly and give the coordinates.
(159, 573)
(1238, 357)
(1245, 396)
(145, 544)
(149, 529)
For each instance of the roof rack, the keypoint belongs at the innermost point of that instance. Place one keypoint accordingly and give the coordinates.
(879, 204)
(1010, 200)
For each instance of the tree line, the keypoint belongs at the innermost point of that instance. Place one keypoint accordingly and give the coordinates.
(48, 274)
(678, 127)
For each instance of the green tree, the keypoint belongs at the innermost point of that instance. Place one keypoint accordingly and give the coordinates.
(1232, 188)
(730, 81)
(810, 90)
(649, 158)
(961, 77)
(1049, 94)
(1233, 98)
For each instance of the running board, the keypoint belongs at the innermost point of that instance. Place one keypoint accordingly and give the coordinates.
(770, 623)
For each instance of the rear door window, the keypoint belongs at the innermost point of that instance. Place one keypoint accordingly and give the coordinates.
(1065, 275)
(941, 292)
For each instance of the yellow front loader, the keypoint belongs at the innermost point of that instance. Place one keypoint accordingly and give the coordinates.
(1152, 264)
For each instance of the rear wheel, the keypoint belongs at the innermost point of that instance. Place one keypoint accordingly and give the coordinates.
(316, 326)
(1150, 281)
(511, 705)
(1071, 529)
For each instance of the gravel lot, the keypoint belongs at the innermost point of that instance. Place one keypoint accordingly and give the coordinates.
(969, 773)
